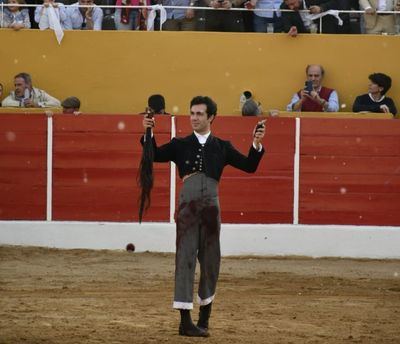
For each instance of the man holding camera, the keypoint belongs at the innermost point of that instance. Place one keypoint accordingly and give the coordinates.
(314, 97)
(25, 95)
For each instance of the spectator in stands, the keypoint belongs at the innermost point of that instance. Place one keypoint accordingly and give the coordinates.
(156, 102)
(85, 18)
(180, 19)
(41, 13)
(71, 105)
(300, 22)
(126, 18)
(251, 108)
(316, 99)
(262, 20)
(220, 20)
(15, 17)
(25, 95)
(375, 100)
(376, 23)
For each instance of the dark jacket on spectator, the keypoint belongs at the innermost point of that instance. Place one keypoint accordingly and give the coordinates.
(329, 23)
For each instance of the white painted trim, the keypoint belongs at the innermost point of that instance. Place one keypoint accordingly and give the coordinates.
(296, 173)
(182, 305)
(236, 239)
(49, 198)
(172, 192)
(205, 302)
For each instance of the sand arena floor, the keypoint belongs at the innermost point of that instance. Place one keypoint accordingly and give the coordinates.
(85, 296)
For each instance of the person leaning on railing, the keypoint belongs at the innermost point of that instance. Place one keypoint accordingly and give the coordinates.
(264, 21)
(25, 95)
(180, 19)
(127, 18)
(85, 18)
(220, 19)
(300, 22)
(15, 17)
(375, 100)
(376, 23)
(42, 14)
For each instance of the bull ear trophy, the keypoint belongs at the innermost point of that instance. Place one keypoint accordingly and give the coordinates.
(145, 176)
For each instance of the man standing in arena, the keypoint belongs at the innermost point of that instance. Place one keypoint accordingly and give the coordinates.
(201, 158)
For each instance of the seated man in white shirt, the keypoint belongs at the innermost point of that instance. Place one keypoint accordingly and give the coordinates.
(314, 97)
(85, 18)
(25, 95)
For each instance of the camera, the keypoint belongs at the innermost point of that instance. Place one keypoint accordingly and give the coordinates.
(308, 86)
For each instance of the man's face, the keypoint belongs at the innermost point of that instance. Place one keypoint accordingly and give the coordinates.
(20, 86)
(314, 74)
(293, 4)
(198, 119)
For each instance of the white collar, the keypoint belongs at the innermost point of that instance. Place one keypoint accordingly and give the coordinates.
(202, 138)
(376, 101)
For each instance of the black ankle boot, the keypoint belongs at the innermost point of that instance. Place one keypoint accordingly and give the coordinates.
(204, 315)
(187, 328)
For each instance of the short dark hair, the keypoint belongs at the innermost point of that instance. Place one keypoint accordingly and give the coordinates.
(382, 80)
(71, 103)
(208, 102)
(27, 77)
(320, 67)
(157, 103)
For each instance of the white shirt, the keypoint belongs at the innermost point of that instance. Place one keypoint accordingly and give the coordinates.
(203, 138)
(78, 20)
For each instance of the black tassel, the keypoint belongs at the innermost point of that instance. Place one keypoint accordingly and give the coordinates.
(145, 177)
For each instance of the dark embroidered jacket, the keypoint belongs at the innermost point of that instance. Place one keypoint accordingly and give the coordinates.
(190, 156)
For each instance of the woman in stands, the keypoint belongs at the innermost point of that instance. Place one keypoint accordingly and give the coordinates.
(375, 100)
(15, 17)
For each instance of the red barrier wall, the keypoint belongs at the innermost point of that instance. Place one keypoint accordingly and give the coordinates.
(95, 164)
(350, 172)
(267, 195)
(23, 142)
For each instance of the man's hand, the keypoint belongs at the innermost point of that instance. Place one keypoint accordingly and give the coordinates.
(226, 4)
(370, 10)
(385, 108)
(148, 122)
(17, 26)
(293, 31)
(315, 9)
(29, 103)
(189, 13)
(258, 133)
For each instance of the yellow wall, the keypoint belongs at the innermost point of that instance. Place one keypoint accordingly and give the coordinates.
(115, 71)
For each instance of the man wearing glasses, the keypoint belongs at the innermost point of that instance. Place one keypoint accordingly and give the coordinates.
(200, 158)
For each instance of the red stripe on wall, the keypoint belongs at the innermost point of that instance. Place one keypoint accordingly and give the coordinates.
(96, 160)
(23, 167)
(267, 195)
(351, 174)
